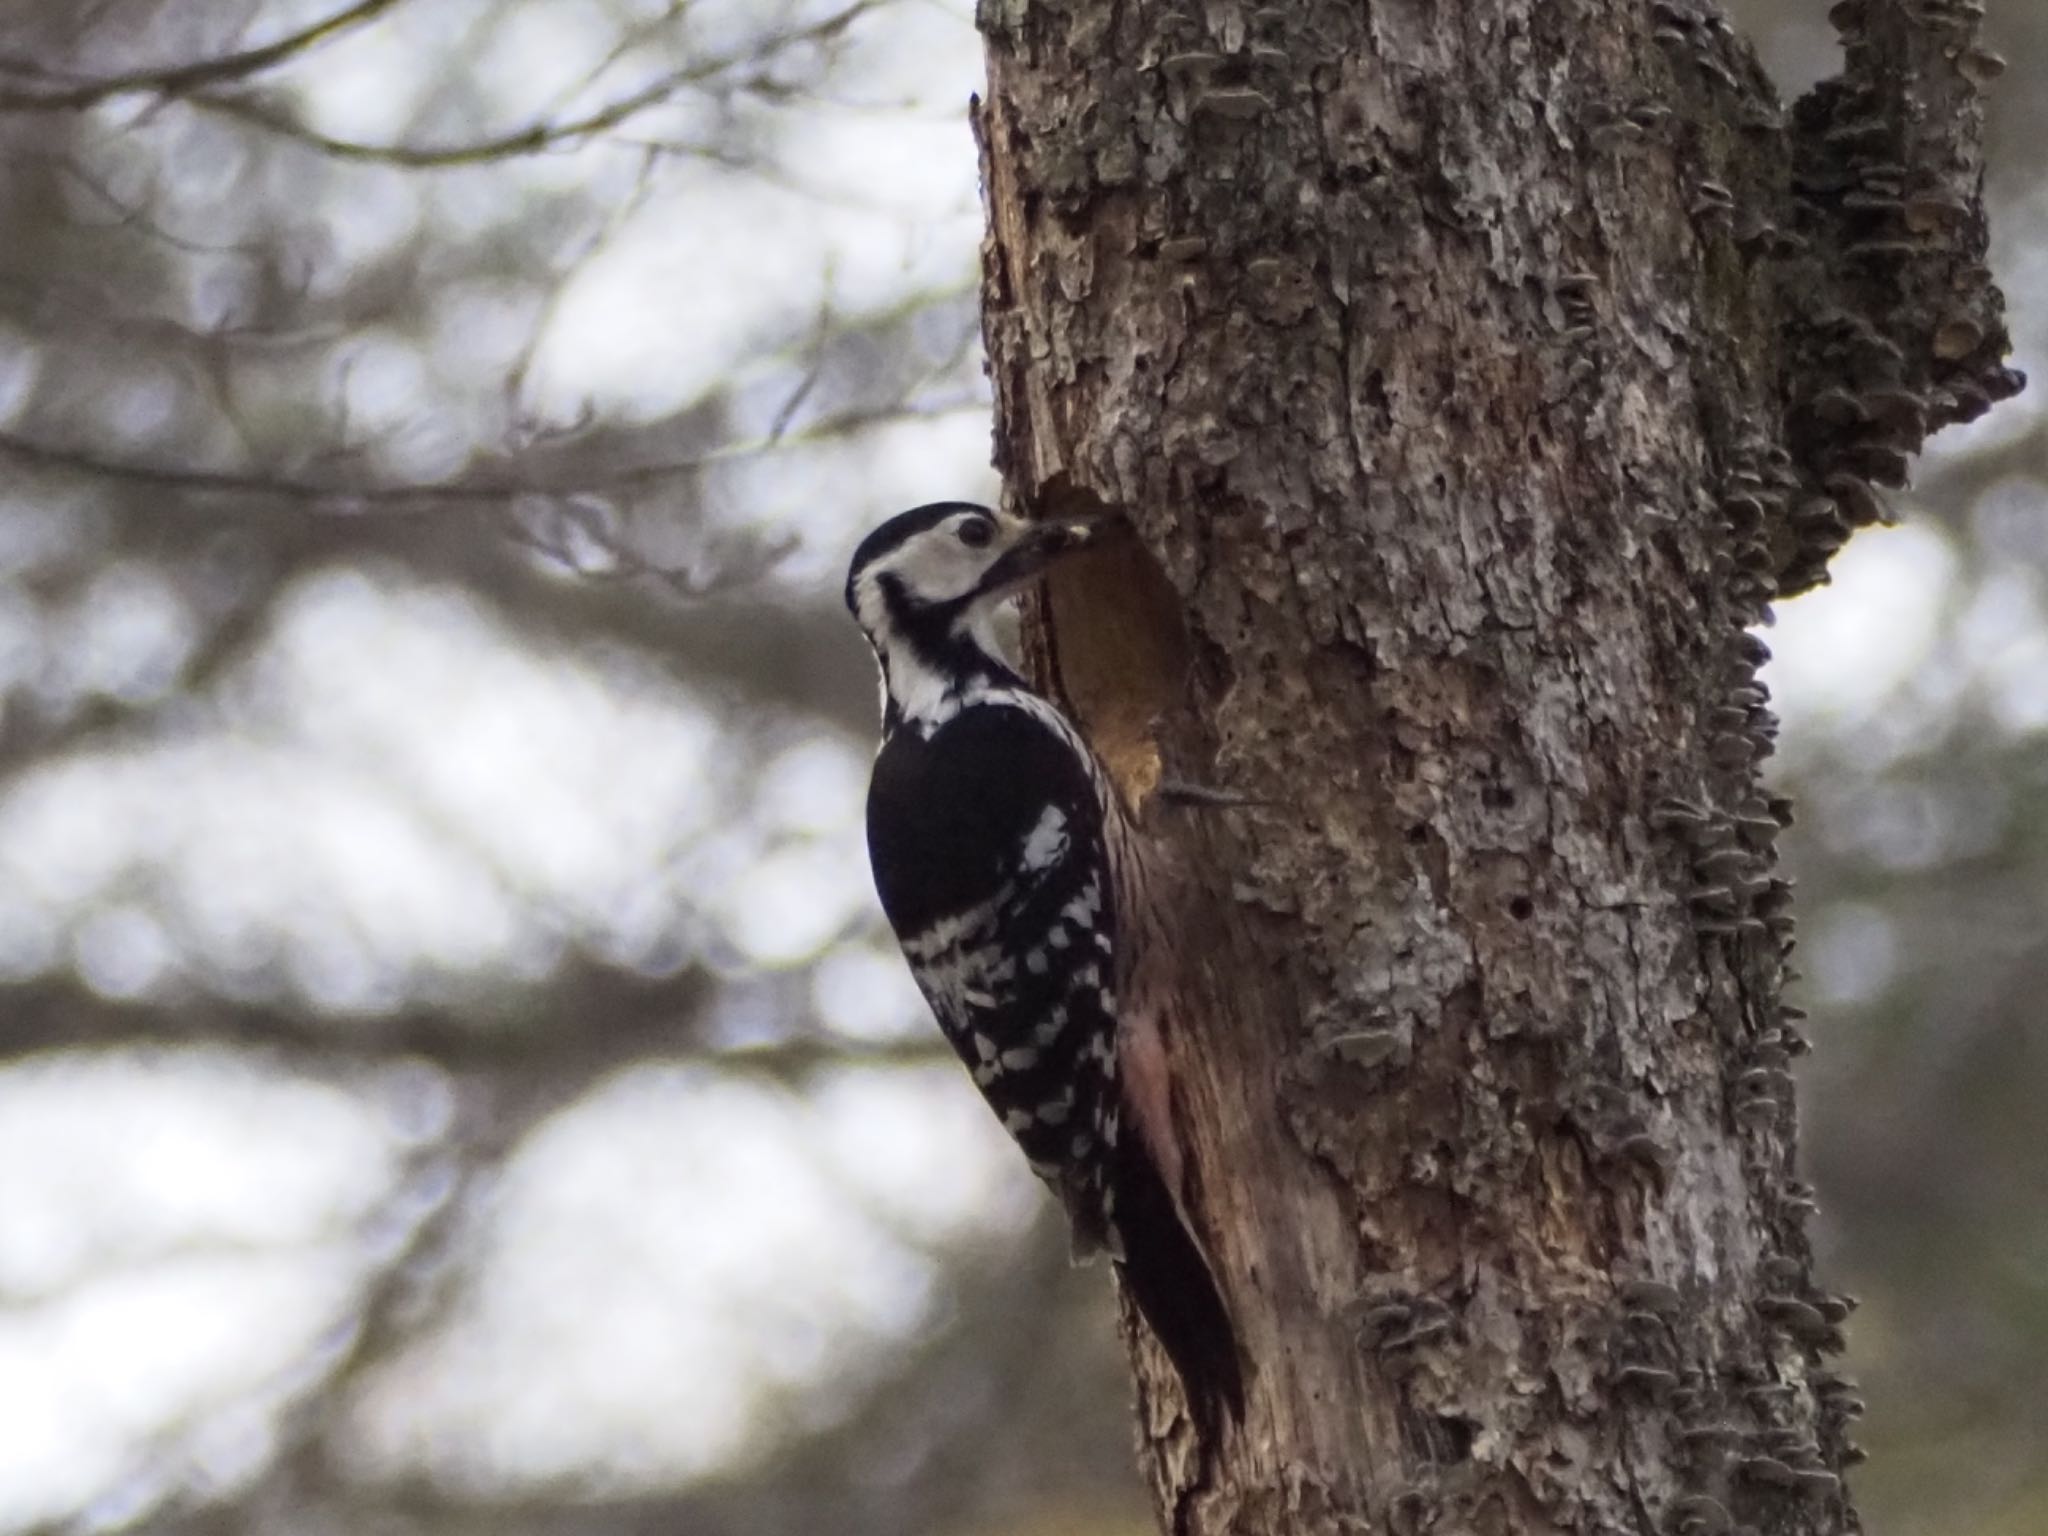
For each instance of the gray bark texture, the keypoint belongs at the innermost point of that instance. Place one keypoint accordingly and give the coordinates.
(1474, 375)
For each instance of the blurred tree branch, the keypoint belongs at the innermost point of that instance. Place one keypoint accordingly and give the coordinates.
(1950, 487)
(585, 474)
(586, 1011)
(954, 1434)
(583, 1022)
(782, 656)
(181, 79)
(546, 134)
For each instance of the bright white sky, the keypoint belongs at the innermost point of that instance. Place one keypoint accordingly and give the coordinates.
(176, 1243)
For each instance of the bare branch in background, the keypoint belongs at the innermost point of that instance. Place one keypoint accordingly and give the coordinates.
(547, 133)
(130, 215)
(786, 658)
(953, 1433)
(580, 1024)
(532, 139)
(409, 1272)
(176, 80)
(814, 368)
(601, 238)
(496, 491)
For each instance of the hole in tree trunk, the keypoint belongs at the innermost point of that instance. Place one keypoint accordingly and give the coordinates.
(1116, 645)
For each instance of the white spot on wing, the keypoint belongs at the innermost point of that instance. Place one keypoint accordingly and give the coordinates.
(958, 966)
(1082, 909)
(1046, 844)
(952, 933)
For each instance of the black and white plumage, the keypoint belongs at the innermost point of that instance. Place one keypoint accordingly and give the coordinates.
(1016, 885)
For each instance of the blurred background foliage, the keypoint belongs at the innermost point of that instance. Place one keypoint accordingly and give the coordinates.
(452, 1076)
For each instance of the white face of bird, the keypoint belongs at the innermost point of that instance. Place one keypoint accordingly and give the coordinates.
(934, 565)
(952, 565)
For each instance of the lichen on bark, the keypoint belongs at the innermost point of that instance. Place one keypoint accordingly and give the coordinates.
(1460, 369)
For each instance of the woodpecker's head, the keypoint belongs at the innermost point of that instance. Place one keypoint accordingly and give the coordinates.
(925, 587)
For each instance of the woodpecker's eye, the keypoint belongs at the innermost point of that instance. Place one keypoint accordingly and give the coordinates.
(975, 532)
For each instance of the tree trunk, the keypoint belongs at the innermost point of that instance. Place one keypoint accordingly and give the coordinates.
(1473, 375)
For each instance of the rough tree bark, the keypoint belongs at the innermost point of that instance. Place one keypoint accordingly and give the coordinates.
(1474, 375)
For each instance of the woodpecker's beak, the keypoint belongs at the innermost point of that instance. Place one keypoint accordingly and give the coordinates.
(1044, 542)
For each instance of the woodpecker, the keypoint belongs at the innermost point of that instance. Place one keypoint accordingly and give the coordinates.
(1017, 885)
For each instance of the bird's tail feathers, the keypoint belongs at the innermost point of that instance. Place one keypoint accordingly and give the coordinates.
(1167, 1275)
